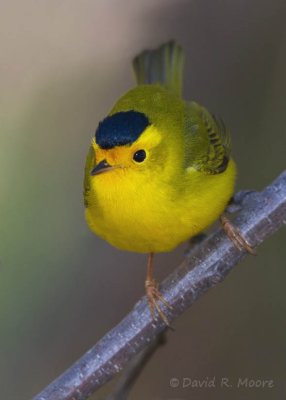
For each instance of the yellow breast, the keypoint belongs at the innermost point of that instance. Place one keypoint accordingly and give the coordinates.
(141, 213)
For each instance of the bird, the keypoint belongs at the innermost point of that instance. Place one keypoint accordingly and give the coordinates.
(159, 169)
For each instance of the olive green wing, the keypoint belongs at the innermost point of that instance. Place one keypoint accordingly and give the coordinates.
(88, 167)
(208, 142)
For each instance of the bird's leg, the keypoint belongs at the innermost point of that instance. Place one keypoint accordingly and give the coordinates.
(235, 236)
(153, 294)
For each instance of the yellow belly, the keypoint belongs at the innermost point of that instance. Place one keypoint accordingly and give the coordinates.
(150, 217)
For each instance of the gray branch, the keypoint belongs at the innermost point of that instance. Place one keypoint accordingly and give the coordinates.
(134, 369)
(206, 265)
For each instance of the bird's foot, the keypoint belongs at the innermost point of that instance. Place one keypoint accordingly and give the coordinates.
(236, 236)
(154, 297)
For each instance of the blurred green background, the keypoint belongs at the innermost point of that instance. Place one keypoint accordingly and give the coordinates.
(62, 66)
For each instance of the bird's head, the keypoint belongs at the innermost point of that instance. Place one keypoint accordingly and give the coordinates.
(127, 141)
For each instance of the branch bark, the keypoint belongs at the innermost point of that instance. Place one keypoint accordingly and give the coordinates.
(204, 266)
(135, 367)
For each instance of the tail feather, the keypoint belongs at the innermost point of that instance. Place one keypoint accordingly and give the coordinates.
(163, 65)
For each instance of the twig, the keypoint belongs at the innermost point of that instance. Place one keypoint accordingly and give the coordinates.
(134, 368)
(204, 267)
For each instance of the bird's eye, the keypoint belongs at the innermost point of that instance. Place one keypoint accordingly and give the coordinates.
(139, 156)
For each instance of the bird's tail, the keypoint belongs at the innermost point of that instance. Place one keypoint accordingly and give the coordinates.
(163, 65)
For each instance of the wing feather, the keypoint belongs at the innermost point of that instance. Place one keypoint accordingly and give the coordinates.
(208, 141)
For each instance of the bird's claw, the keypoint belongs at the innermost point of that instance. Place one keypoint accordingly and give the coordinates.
(154, 297)
(236, 236)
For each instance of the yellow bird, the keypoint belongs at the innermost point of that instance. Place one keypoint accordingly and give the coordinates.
(159, 170)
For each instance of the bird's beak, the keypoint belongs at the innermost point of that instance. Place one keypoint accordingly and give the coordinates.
(101, 167)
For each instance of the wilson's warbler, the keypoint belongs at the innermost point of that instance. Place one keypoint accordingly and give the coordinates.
(158, 171)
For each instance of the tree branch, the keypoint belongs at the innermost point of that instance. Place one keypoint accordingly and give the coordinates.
(204, 266)
(135, 367)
